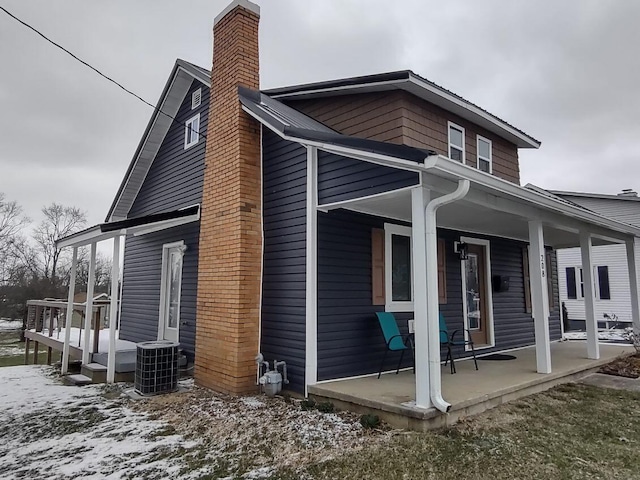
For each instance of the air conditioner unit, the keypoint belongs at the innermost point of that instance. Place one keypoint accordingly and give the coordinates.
(156, 367)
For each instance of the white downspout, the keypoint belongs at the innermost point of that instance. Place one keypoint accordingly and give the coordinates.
(431, 239)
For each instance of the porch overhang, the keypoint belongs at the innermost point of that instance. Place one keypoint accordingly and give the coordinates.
(492, 207)
(131, 226)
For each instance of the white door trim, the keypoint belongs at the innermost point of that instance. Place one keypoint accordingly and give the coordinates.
(487, 268)
(166, 248)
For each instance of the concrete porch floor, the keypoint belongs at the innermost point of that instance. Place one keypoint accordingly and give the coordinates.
(469, 391)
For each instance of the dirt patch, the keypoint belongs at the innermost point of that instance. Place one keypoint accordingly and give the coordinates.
(258, 432)
(624, 367)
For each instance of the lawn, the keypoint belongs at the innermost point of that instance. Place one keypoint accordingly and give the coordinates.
(47, 430)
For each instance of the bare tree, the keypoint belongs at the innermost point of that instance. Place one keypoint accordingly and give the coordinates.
(59, 221)
(12, 222)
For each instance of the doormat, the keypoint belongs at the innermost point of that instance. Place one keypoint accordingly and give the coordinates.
(497, 356)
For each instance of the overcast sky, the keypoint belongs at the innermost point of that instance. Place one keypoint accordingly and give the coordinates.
(566, 72)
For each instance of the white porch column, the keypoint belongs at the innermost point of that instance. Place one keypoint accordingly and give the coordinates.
(311, 312)
(591, 324)
(67, 325)
(539, 296)
(633, 283)
(113, 310)
(419, 200)
(88, 311)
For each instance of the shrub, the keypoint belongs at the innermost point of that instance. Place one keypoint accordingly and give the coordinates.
(308, 404)
(369, 421)
(326, 407)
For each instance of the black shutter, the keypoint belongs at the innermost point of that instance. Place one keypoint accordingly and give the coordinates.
(571, 282)
(603, 282)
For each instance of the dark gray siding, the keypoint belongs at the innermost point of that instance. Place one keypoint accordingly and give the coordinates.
(173, 181)
(175, 177)
(341, 178)
(283, 295)
(349, 338)
(141, 285)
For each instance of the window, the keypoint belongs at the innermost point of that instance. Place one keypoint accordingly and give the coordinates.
(484, 154)
(456, 142)
(170, 291)
(196, 98)
(391, 268)
(575, 279)
(192, 131)
(397, 263)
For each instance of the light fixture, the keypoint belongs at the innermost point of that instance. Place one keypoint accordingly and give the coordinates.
(461, 249)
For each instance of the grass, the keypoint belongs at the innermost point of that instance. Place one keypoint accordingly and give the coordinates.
(12, 350)
(570, 432)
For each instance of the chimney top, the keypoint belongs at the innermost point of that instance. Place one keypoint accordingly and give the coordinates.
(246, 4)
(628, 192)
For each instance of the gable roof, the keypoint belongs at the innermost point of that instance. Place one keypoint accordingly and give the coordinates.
(416, 85)
(175, 89)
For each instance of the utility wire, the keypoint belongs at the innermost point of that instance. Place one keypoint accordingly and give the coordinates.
(86, 64)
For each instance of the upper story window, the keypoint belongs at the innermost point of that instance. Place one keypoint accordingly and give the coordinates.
(484, 154)
(456, 142)
(196, 98)
(192, 131)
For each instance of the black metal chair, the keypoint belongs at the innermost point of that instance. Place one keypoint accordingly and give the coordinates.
(449, 341)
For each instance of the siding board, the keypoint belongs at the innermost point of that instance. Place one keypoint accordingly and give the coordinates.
(283, 331)
(173, 181)
(349, 339)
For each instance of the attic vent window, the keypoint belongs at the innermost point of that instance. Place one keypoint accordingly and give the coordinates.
(196, 98)
(192, 131)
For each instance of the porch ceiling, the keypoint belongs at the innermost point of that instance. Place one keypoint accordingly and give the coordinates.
(468, 216)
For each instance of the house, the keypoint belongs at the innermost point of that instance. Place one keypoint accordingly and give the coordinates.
(280, 221)
(610, 269)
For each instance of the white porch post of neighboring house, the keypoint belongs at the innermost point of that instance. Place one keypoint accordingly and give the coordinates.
(539, 296)
(419, 199)
(88, 311)
(67, 325)
(633, 283)
(113, 310)
(591, 324)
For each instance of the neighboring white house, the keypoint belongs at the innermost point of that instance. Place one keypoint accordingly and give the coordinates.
(610, 271)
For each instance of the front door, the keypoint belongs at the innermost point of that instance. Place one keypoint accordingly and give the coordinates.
(171, 292)
(476, 295)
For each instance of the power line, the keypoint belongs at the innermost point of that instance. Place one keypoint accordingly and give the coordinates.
(86, 64)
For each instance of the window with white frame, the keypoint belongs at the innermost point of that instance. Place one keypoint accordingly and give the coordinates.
(484, 154)
(196, 98)
(398, 275)
(575, 283)
(192, 131)
(456, 142)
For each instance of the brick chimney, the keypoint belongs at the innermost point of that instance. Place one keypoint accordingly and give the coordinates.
(230, 253)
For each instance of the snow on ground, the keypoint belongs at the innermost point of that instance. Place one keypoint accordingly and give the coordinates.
(6, 324)
(48, 430)
(52, 431)
(616, 335)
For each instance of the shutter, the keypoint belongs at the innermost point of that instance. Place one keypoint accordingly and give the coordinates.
(552, 302)
(571, 283)
(603, 282)
(526, 279)
(442, 271)
(377, 266)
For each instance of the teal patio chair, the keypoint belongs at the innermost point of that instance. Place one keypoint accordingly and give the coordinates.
(394, 339)
(450, 341)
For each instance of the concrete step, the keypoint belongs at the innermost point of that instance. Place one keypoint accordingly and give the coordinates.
(78, 380)
(125, 360)
(96, 372)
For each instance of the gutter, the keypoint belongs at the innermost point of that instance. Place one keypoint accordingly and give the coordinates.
(431, 239)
